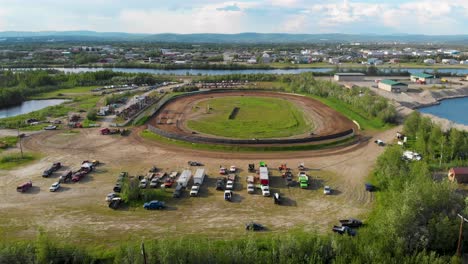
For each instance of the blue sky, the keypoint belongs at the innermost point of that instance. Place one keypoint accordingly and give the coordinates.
(208, 16)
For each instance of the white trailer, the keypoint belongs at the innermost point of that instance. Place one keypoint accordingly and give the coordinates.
(264, 177)
(184, 178)
(199, 177)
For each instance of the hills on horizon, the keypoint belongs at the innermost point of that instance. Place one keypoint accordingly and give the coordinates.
(239, 38)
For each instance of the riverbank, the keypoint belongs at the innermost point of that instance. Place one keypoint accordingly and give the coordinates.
(406, 103)
(244, 66)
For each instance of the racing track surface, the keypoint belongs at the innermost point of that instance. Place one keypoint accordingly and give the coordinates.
(172, 117)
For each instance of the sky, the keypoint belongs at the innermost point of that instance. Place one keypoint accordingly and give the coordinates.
(440, 17)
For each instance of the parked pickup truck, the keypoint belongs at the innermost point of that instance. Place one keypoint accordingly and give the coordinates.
(24, 187)
(351, 222)
(194, 191)
(55, 166)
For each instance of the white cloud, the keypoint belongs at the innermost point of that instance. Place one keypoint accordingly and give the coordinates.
(208, 18)
(294, 24)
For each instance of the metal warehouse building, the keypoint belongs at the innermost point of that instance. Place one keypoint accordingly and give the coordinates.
(349, 77)
(424, 77)
(393, 86)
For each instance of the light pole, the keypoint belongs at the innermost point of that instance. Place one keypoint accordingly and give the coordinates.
(460, 235)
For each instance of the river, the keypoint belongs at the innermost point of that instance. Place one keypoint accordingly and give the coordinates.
(452, 109)
(461, 71)
(29, 106)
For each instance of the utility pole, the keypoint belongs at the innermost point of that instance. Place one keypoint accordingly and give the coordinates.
(460, 235)
(19, 139)
(143, 252)
(441, 153)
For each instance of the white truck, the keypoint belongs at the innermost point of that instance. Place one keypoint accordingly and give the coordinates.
(250, 184)
(184, 178)
(197, 182)
(410, 155)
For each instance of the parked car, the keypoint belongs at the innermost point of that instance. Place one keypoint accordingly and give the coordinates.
(47, 173)
(115, 203)
(24, 187)
(143, 183)
(117, 187)
(54, 187)
(154, 183)
(154, 205)
(277, 198)
(195, 189)
(265, 190)
(327, 190)
(228, 195)
(250, 188)
(351, 222)
(229, 185)
(65, 177)
(194, 163)
(50, 127)
(232, 169)
(111, 196)
(370, 187)
(168, 182)
(252, 226)
(220, 184)
(379, 142)
(344, 230)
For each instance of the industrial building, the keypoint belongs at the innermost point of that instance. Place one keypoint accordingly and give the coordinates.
(393, 86)
(424, 78)
(349, 77)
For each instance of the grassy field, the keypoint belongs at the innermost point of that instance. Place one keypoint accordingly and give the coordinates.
(65, 93)
(258, 117)
(13, 160)
(373, 124)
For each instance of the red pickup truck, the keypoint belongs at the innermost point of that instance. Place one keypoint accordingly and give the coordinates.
(24, 187)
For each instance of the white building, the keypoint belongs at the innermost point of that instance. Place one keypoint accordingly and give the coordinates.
(349, 77)
(393, 86)
(449, 61)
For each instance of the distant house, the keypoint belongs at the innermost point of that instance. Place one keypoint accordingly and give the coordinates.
(349, 77)
(394, 61)
(458, 174)
(334, 60)
(449, 61)
(424, 77)
(429, 61)
(266, 58)
(374, 61)
(393, 86)
(252, 61)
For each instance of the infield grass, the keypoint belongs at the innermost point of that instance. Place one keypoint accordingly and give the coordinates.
(258, 117)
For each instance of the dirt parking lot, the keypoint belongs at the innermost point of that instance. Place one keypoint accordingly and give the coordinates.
(79, 212)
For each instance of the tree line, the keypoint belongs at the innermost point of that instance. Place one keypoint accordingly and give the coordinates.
(17, 86)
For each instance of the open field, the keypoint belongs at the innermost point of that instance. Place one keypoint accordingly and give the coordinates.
(257, 117)
(78, 212)
(66, 92)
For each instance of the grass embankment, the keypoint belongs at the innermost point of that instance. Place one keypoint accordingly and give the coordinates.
(258, 117)
(65, 93)
(8, 142)
(14, 160)
(365, 123)
(213, 147)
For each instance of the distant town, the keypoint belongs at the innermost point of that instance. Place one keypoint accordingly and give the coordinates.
(179, 55)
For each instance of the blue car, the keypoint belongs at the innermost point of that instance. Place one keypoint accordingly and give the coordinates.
(154, 205)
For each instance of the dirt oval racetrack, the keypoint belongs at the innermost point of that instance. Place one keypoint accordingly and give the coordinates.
(328, 124)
